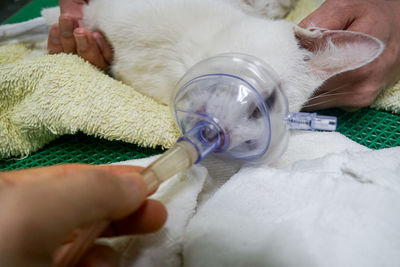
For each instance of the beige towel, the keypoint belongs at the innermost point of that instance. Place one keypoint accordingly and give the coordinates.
(44, 97)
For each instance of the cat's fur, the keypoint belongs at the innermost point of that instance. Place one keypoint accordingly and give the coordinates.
(156, 41)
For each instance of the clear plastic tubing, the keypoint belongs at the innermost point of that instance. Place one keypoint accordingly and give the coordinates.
(231, 105)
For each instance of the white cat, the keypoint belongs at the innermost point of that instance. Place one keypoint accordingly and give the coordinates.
(156, 41)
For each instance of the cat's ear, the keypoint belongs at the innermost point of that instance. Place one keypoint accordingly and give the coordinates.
(333, 52)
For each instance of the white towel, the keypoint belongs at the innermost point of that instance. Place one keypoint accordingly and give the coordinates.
(164, 248)
(338, 210)
(327, 202)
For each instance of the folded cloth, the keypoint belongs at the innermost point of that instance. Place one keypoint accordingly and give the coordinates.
(44, 97)
(389, 100)
(179, 195)
(337, 210)
(327, 202)
(31, 31)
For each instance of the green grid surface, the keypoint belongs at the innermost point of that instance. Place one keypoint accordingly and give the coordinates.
(371, 128)
(77, 148)
(32, 10)
(80, 148)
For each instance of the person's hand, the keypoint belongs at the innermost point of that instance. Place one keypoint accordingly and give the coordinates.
(69, 36)
(41, 208)
(359, 88)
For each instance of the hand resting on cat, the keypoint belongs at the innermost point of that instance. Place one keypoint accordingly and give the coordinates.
(300, 71)
(69, 36)
(359, 88)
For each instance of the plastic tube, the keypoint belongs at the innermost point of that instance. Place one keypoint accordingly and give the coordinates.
(178, 158)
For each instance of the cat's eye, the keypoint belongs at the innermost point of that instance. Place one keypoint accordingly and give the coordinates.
(271, 99)
(256, 114)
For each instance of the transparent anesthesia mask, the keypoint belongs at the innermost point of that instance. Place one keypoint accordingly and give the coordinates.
(233, 105)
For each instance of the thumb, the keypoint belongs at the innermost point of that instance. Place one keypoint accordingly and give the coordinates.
(329, 16)
(95, 194)
(45, 212)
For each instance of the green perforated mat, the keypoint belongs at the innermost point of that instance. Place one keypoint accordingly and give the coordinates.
(31, 10)
(80, 148)
(372, 128)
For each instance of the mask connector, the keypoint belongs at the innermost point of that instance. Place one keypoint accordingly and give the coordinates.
(311, 121)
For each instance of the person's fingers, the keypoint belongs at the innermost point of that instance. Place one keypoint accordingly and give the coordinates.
(150, 217)
(350, 90)
(72, 7)
(34, 175)
(100, 255)
(97, 255)
(329, 15)
(88, 49)
(81, 40)
(67, 25)
(350, 96)
(111, 197)
(369, 25)
(104, 46)
(330, 93)
(120, 169)
(54, 45)
(322, 102)
(74, 200)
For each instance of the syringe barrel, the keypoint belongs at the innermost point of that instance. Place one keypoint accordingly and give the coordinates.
(178, 158)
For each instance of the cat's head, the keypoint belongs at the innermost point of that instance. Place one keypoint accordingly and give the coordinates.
(303, 58)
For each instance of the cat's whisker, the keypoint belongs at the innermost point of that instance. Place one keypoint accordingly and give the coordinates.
(301, 105)
(327, 92)
(328, 95)
(317, 104)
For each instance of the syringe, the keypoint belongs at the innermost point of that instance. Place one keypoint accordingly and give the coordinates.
(178, 158)
(231, 105)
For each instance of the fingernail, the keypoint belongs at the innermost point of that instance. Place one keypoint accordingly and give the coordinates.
(79, 31)
(81, 41)
(135, 186)
(133, 193)
(151, 180)
(98, 39)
